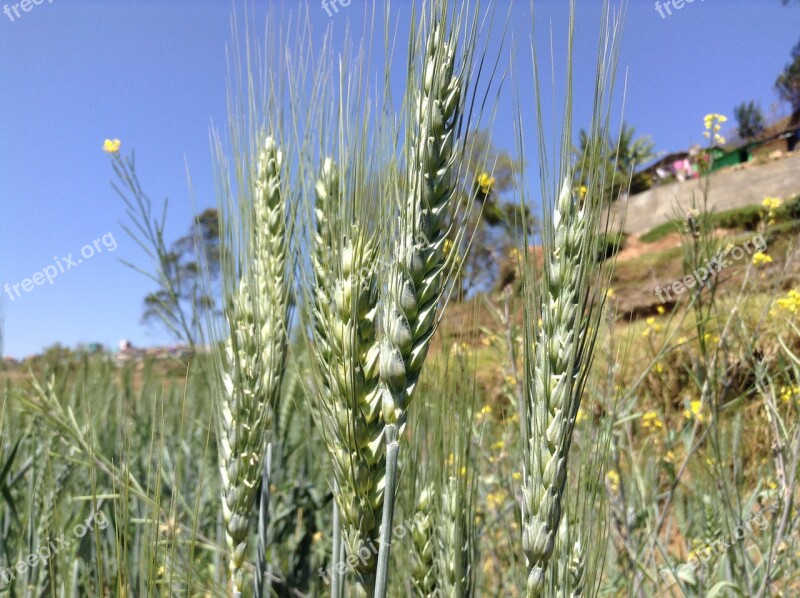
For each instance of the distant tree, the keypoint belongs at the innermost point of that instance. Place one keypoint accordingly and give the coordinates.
(750, 119)
(186, 273)
(192, 265)
(621, 157)
(496, 221)
(788, 82)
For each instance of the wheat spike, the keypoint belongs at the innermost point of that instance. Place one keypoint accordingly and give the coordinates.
(423, 535)
(257, 315)
(347, 352)
(417, 275)
(554, 392)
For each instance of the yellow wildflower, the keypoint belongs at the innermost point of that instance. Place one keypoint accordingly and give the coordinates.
(760, 258)
(495, 499)
(651, 421)
(612, 478)
(610, 292)
(516, 476)
(790, 303)
(583, 191)
(789, 393)
(660, 309)
(771, 203)
(485, 183)
(713, 119)
(580, 416)
(111, 146)
(695, 411)
(669, 457)
(498, 446)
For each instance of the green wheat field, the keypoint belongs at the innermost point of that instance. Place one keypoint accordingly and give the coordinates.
(350, 418)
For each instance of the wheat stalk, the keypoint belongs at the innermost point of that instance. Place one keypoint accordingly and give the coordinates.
(417, 274)
(345, 307)
(257, 316)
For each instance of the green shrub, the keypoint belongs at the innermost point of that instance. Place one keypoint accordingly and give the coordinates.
(746, 218)
(610, 244)
(661, 231)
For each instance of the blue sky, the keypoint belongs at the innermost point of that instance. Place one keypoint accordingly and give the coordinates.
(153, 74)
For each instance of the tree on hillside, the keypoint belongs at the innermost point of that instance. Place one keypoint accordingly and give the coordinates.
(749, 119)
(620, 156)
(495, 221)
(788, 82)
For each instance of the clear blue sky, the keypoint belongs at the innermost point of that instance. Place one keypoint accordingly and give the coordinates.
(153, 74)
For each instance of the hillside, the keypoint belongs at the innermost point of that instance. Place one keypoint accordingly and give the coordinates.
(734, 187)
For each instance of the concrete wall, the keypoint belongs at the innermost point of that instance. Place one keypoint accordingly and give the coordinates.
(730, 188)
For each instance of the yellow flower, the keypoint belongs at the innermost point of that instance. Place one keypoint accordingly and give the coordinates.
(516, 476)
(612, 477)
(652, 326)
(658, 368)
(660, 309)
(485, 183)
(317, 537)
(669, 457)
(790, 303)
(651, 421)
(498, 446)
(481, 415)
(495, 499)
(789, 393)
(695, 411)
(759, 259)
(771, 203)
(581, 415)
(712, 120)
(610, 292)
(583, 191)
(111, 146)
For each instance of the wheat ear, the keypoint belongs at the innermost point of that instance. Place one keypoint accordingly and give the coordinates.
(417, 274)
(562, 356)
(423, 568)
(257, 315)
(346, 346)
